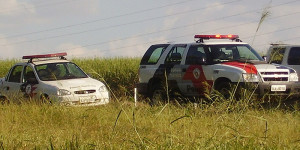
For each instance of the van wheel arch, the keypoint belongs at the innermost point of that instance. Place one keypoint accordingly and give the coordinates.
(45, 98)
(153, 83)
(219, 82)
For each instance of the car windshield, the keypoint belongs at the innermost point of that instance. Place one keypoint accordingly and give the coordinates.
(59, 71)
(233, 53)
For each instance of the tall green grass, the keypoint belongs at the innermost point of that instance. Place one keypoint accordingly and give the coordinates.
(211, 124)
(5, 65)
(123, 126)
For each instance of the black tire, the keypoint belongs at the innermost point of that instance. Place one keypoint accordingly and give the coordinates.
(45, 99)
(231, 90)
(158, 95)
(3, 100)
(225, 89)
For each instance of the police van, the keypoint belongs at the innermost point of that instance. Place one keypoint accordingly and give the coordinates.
(212, 62)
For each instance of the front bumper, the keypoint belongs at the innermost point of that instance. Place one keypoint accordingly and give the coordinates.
(292, 88)
(83, 99)
(264, 88)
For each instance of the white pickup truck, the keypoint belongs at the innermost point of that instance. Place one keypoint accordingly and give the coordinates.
(192, 69)
(287, 55)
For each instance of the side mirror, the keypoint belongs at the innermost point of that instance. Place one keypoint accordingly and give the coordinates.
(265, 58)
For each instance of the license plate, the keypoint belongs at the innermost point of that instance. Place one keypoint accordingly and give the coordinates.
(278, 88)
(87, 99)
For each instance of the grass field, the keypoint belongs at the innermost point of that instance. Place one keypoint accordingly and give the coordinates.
(220, 124)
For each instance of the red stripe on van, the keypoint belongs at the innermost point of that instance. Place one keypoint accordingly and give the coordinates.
(249, 68)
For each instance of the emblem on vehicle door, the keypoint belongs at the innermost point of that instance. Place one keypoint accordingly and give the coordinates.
(28, 89)
(196, 73)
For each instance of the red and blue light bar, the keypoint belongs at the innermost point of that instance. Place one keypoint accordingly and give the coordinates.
(45, 55)
(217, 36)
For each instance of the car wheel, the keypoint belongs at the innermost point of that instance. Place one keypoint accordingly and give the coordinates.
(45, 99)
(225, 89)
(4, 100)
(158, 95)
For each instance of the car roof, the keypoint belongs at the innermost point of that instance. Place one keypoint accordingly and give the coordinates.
(210, 43)
(284, 45)
(44, 61)
(221, 43)
(49, 61)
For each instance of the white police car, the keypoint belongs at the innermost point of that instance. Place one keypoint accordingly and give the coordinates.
(193, 69)
(52, 77)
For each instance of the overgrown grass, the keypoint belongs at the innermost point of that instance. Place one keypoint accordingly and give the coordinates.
(121, 125)
(5, 65)
(210, 124)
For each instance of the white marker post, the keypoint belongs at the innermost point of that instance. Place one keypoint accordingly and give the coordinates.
(135, 97)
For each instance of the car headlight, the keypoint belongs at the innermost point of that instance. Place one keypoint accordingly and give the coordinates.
(293, 77)
(63, 92)
(250, 77)
(103, 88)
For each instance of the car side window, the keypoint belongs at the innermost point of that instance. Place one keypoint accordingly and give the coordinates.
(15, 75)
(196, 55)
(75, 70)
(294, 56)
(28, 74)
(175, 55)
(277, 55)
(153, 54)
(221, 53)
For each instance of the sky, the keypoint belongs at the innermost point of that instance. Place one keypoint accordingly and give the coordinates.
(126, 28)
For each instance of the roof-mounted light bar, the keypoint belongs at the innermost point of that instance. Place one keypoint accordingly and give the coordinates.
(61, 55)
(217, 36)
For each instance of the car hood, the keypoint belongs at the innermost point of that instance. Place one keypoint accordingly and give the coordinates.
(271, 67)
(76, 84)
(256, 67)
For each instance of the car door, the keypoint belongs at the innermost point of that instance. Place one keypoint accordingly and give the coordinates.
(172, 66)
(149, 63)
(13, 82)
(195, 70)
(29, 82)
(293, 60)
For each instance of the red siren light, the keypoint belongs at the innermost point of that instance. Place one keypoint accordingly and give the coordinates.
(45, 55)
(217, 36)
